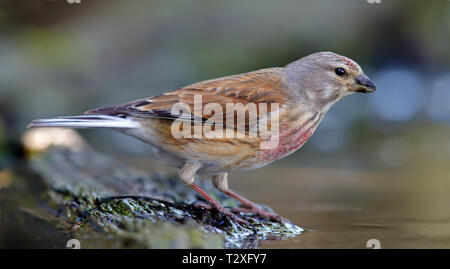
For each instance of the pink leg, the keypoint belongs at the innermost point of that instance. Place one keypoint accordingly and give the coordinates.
(215, 204)
(187, 174)
(252, 207)
(221, 183)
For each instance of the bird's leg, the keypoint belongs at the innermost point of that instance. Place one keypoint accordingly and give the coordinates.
(221, 183)
(187, 174)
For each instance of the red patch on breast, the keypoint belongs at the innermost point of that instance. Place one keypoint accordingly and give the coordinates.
(290, 141)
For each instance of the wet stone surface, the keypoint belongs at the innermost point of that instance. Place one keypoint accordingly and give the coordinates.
(104, 203)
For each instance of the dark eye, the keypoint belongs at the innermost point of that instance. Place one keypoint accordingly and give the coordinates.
(339, 71)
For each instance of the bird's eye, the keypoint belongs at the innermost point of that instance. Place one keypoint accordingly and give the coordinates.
(339, 71)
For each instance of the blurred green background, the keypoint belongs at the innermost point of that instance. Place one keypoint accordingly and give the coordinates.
(378, 165)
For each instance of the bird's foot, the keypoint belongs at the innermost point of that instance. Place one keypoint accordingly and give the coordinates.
(260, 212)
(223, 211)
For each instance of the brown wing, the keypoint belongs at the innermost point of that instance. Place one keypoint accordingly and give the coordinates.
(262, 86)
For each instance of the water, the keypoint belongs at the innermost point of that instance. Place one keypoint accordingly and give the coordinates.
(345, 209)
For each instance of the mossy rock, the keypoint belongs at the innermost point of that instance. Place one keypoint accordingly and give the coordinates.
(106, 204)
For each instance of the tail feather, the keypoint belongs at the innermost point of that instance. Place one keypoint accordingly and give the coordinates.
(85, 121)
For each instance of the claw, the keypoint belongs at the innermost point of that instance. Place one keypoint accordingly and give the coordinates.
(222, 210)
(262, 213)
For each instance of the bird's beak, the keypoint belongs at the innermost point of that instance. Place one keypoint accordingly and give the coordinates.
(364, 84)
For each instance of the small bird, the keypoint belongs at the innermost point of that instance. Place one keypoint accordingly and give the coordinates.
(299, 96)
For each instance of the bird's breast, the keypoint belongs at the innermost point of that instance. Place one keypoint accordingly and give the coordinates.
(292, 137)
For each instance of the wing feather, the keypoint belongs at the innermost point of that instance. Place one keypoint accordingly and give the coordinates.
(262, 86)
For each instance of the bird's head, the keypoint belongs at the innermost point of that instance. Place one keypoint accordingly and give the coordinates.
(326, 77)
